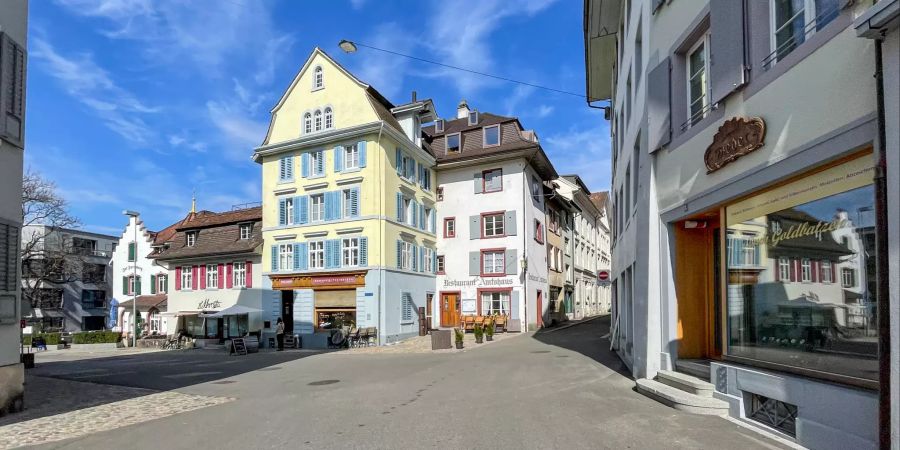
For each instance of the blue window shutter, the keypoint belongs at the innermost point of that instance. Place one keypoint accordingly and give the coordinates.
(296, 217)
(320, 163)
(399, 162)
(414, 219)
(361, 146)
(289, 169)
(337, 253)
(338, 158)
(399, 254)
(354, 202)
(329, 254)
(422, 225)
(301, 254)
(274, 260)
(422, 259)
(304, 165)
(433, 221)
(415, 258)
(363, 251)
(400, 207)
(282, 168)
(433, 261)
(282, 212)
(329, 206)
(302, 209)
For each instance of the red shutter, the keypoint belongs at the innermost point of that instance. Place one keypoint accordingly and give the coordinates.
(777, 269)
(178, 278)
(228, 275)
(203, 277)
(194, 278)
(816, 276)
(794, 264)
(249, 272)
(221, 276)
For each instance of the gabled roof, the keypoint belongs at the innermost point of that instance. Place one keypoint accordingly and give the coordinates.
(459, 125)
(205, 219)
(599, 199)
(217, 234)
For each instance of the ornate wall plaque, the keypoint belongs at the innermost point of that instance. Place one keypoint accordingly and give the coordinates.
(736, 137)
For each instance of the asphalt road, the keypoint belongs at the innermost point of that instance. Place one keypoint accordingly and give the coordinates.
(555, 390)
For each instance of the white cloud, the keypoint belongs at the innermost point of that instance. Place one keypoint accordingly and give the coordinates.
(241, 133)
(584, 151)
(544, 111)
(90, 84)
(460, 36)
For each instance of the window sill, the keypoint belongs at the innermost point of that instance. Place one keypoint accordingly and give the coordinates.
(285, 181)
(493, 237)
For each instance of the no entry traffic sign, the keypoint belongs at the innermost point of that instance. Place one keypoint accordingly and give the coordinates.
(603, 276)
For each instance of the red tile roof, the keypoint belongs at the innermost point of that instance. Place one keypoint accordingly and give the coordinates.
(599, 199)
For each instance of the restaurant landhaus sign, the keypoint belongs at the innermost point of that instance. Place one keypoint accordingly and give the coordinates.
(736, 137)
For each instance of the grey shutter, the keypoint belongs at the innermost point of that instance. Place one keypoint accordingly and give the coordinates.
(656, 5)
(510, 260)
(303, 311)
(479, 183)
(659, 105)
(12, 94)
(509, 223)
(474, 227)
(474, 263)
(514, 305)
(726, 49)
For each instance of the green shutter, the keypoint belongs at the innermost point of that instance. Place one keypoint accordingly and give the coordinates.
(131, 251)
(124, 285)
(137, 286)
(152, 284)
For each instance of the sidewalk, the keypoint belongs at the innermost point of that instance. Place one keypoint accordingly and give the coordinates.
(422, 344)
(571, 323)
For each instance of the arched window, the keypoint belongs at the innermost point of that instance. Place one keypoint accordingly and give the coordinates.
(307, 123)
(318, 120)
(318, 78)
(329, 119)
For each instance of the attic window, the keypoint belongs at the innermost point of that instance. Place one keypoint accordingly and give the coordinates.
(318, 78)
(245, 231)
(473, 118)
(492, 136)
(439, 126)
(453, 143)
(191, 238)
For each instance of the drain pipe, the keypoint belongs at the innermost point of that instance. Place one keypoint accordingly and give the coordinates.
(381, 289)
(882, 285)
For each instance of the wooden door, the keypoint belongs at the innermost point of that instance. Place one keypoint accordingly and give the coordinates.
(540, 309)
(695, 285)
(450, 310)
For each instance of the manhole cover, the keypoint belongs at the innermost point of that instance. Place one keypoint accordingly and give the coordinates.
(224, 382)
(265, 369)
(541, 351)
(323, 382)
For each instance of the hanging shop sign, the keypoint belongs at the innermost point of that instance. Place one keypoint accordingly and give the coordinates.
(736, 137)
(325, 281)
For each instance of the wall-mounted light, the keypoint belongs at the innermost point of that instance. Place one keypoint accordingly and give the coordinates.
(524, 264)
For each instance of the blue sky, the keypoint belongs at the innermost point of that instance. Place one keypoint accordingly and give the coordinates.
(137, 103)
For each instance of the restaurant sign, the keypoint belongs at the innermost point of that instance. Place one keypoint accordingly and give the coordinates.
(736, 137)
(329, 281)
(479, 282)
(208, 304)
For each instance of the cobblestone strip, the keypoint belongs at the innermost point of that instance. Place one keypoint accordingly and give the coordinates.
(100, 418)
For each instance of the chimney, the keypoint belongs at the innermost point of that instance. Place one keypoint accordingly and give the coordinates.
(462, 110)
(413, 96)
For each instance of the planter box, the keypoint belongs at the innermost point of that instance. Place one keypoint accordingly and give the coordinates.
(440, 339)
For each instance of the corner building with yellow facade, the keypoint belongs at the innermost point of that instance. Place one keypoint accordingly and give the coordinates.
(348, 208)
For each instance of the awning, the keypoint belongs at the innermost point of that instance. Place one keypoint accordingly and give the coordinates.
(182, 313)
(234, 310)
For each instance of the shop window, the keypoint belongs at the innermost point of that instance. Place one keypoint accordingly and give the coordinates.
(785, 312)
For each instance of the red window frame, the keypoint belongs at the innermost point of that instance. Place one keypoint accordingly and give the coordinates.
(484, 184)
(493, 213)
(538, 231)
(481, 261)
(446, 221)
(480, 291)
(440, 262)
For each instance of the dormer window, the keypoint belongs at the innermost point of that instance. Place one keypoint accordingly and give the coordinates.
(473, 118)
(191, 238)
(318, 78)
(245, 231)
(453, 143)
(307, 123)
(492, 136)
(439, 126)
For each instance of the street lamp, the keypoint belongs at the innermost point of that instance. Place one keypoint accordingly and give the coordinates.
(134, 215)
(347, 46)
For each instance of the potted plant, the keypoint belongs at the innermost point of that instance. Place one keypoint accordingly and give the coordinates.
(479, 333)
(489, 329)
(459, 338)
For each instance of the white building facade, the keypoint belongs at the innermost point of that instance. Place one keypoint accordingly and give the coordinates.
(491, 254)
(734, 184)
(135, 274)
(13, 33)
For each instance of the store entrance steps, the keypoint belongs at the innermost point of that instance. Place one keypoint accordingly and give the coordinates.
(696, 367)
(683, 392)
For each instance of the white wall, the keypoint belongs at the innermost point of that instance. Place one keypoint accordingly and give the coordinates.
(145, 266)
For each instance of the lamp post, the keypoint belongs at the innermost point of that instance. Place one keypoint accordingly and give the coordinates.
(134, 215)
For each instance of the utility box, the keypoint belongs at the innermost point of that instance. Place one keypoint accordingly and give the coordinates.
(440, 339)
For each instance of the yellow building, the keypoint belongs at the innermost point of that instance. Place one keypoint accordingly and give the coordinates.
(348, 207)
